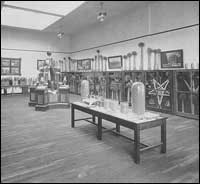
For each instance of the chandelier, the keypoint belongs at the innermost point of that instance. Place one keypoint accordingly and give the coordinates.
(60, 35)
(102, 14)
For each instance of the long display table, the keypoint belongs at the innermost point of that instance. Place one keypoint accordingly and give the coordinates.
(129, 120)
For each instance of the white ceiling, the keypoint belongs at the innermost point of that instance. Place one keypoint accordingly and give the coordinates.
(86, 15)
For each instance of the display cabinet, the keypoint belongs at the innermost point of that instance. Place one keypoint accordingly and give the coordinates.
(32, 99)
(168, 91)
(187, 93)
(41, 98)
(159, 90)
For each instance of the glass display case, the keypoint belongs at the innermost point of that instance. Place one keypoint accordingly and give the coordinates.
(90, 76)
(129, 78)
(159, 94)
(114, 85)
(168, 91)
(187, 93)
(100, 83)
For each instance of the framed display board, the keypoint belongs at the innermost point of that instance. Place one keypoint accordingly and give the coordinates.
(10, 66)
(115, 62)
(84, 64)
(172, 59)
(40, 64)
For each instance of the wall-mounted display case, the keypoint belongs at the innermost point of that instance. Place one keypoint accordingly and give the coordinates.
(187, 93)
(167, 91)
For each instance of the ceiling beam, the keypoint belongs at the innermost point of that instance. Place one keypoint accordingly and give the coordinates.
(35, 11)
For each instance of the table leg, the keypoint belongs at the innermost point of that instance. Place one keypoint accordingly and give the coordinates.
(99, 131)
(163, 137)
(72, 117)
(117, 127)
(137, 145)
(93, 118)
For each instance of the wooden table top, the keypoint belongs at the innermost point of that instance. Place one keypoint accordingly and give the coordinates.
(129, 116)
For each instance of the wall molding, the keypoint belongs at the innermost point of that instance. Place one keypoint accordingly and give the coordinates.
(30, 50)
(104, 45)
(135, 38)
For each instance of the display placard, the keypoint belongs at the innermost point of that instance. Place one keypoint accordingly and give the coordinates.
(115, 62)
(84, 64)
(172, 59)
(5, 62)
(10, 66)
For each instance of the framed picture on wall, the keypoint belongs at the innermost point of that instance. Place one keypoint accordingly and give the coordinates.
(115, 62)
(84, 64)
(40, 64)
(172, 59)
(15, 71)
(10, 66)
(5, 62)
(15, 62)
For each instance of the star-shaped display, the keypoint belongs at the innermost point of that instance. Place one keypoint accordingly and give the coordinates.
(160, 90)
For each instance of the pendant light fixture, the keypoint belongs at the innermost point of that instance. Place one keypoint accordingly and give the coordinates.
(60, 34)
(102, 14)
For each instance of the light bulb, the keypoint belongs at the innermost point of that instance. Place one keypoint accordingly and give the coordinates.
(101, 16)
(60, 35)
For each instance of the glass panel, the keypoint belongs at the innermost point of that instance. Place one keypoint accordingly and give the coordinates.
(17, 90)
(40, 99)
(32, 96)
(62, 97)
(15, 62)
(184, 102)
(46, 98)
(115, 85)
(151, 101)
(15, 71)
(164, 86)
(151, 95)
(5, 70)
(9, 90)
(195, 104)
(137, 76)
(195, 82)
(5, 62)
(183, 81)
(57, 7)
(26, 19)
(128, 82)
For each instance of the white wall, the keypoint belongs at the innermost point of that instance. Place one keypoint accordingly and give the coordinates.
(32, 40)
(154, 17)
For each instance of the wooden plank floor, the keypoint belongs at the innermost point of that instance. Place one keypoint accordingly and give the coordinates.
(42, 147)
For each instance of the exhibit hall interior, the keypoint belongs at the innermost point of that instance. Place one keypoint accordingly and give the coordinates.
(100, 91)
